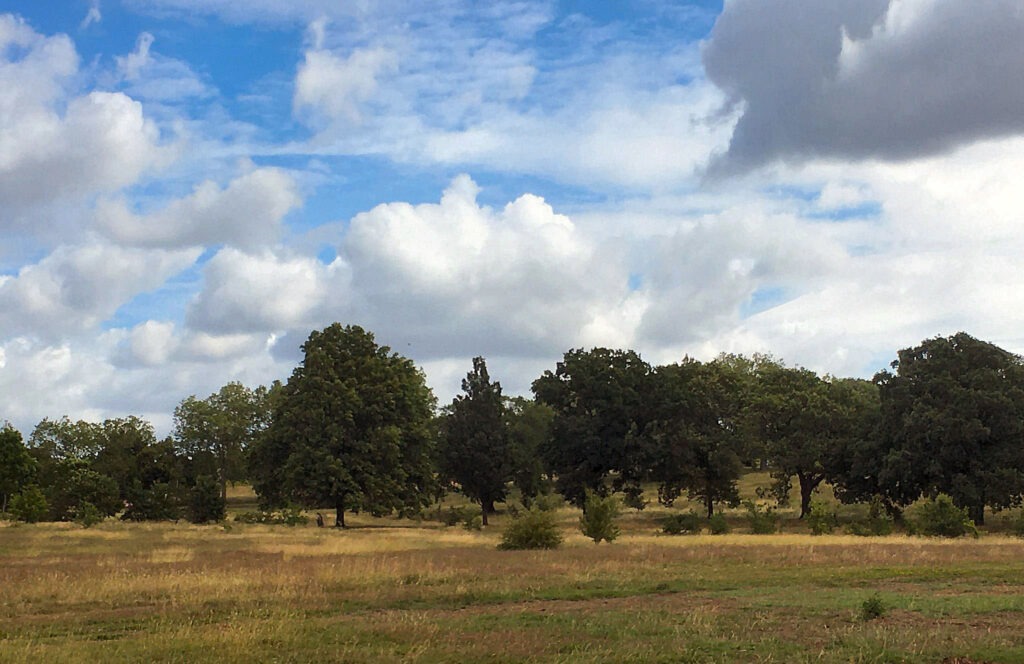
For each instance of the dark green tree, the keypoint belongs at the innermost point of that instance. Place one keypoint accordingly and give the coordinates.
(601, 401)
(17, 467)
(952, 420)
(352, 430)
(473, 448)
(695, 437)
(529, 429)
(205, 502)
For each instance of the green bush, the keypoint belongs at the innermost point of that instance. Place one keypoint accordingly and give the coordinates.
(532, 529)
(878, 523)
(288, 516)
(549, 502)
(718, 524)
(682, 524)
(453, 516)
(159, 502)
(29, 505)
(474, 522)
(1017, 525)
(762, 520)
(598, 520)
(822, 519)
(87, 515)
(205, 503)
(872, 608)
(939, 517)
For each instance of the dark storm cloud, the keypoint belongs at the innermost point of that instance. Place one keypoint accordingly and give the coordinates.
(866, 78)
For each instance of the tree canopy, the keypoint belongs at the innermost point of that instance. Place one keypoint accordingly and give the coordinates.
(351, 429)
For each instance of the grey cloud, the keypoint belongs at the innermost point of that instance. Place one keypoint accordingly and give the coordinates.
(866, 78)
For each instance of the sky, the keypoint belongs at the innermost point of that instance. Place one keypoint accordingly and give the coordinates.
(189, 187)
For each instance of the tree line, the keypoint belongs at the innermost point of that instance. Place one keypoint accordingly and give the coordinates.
(355, 428)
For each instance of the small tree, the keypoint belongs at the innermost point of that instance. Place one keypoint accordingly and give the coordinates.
(17, 467)
(29, 505)
(205, 503)
(598, 520)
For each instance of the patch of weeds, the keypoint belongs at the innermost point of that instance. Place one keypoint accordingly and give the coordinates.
(871, 608)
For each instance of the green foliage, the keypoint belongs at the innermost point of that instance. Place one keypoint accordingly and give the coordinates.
(688, 523)
(455, 515)
(528, 423)
(821, 518)
(205, 502)
(695, 441)
(549, 502)
(878, 523)
(214, 432)
(288, 516)
(30, 505)
(718, 524)
(532, 529)
(74, 484)
(762, 520)
(601, 400)
(598, 519)
(871, 608)
(939, 517)
(352, 430)
(160, 502)
(474, 522)
(473, 447)
(953, 419)
(87, 516)
(17, 467)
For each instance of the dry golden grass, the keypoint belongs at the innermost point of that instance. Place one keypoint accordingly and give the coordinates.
(400, 591)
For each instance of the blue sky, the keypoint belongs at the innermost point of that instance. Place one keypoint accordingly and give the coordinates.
(188, 187)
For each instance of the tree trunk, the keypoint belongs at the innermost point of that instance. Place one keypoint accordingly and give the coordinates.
(339, 508)
(483, 513)
(710, 504)
(808, 483)
(977, 514)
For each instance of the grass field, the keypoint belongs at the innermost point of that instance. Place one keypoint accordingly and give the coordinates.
(391, 590)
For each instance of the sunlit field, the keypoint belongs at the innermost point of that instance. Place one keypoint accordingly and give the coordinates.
(389, 590)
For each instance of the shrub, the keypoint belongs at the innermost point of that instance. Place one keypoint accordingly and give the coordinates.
(288, 516)
(87, 515)
(682, 524)
(939, 517)
(549, 502)
(157, 503)
(762, 520)
(204, 501)
(718, 524)
(29, 505)
(872, 608)
(598, 520)
(474, 522)
(1017, 525)
(532, 529)
(821, 519)
(878, 523)
(454, 515)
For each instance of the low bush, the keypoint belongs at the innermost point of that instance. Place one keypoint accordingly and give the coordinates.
(288, 516)
(453, 516)
(718, 524)
(598, 520)
(87, 515)
(682, 524)
(762, 520)
(822, 519)
(549, 502)
(878, 523)
(939, 517)
(474, 522)
(532, 529)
